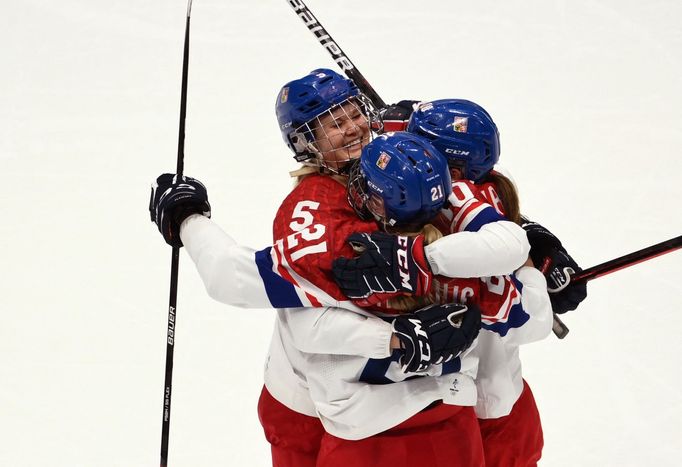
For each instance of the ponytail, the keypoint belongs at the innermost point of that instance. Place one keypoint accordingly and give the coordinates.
(508, 195)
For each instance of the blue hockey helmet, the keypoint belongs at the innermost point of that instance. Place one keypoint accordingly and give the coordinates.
(463, 131)
(401, 180)
(301, 104)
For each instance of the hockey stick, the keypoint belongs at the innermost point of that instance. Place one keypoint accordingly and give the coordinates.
(558, 327)
(335, 51)
(617, 264)
(339, 56)
(175, 260)
(628, 260)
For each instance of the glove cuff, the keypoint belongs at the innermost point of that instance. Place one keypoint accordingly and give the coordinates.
(424, 274)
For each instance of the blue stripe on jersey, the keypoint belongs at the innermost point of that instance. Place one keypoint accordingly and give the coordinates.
(281, 292)
(453, 366)
(486, 216)
(517, 315)
(375, 370)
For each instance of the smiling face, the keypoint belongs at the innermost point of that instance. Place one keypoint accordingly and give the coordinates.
(340, 134)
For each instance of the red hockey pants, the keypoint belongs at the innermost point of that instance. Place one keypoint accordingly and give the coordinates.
(294, 438)
(443, 436)
(515, 440)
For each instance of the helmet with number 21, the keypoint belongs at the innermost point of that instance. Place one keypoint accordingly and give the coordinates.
(401, 181)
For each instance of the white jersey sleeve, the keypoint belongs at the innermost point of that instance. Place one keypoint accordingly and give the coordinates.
(241, 276)
(334, 387)
(354, 409)
(494, 250)
(235, 274)
(499, 381)
(336, 331)
(535, 302)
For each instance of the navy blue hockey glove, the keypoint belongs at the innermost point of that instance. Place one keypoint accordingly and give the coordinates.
(395, 116)
(549, 255)
(173, 200)
(388, 265)
(436, 334)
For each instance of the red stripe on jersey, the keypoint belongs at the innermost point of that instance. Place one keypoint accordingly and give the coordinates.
(313, 300)
(283, 271)
(459, 224)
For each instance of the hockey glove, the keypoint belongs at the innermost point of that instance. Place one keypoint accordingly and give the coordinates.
(388, 265)
(396, 116)
(173, 200)
(549, 255)
(436, 334)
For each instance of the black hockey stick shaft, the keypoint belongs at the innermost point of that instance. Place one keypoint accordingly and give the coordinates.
(628, 260)
(558, 327)
(335, 51)
(175, 261)
(616, 264)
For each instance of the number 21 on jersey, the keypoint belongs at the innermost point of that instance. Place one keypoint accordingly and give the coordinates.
(305, 232)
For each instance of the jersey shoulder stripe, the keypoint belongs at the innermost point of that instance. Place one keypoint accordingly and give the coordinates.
(280, 292)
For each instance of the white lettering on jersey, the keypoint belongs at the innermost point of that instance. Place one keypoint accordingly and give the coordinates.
(305, 230)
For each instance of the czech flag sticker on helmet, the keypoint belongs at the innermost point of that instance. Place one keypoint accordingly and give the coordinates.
(285, 95)
(461, 124)
(383, 160)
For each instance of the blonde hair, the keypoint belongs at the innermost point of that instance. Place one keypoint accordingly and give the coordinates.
(307, 170)
(508, 195)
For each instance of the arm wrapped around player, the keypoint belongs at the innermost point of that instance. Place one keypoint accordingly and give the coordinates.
(436, 334)
(173, 199)
(549, 255)
(387, 265)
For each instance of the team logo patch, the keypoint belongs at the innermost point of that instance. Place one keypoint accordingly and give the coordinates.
(284, 96)
(461, 124)
(383, 160)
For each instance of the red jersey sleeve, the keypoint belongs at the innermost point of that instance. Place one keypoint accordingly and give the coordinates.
(495, 295)
(467, 210)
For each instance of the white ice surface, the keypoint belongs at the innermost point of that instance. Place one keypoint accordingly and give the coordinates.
(586, 95)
